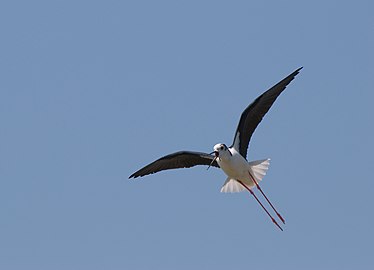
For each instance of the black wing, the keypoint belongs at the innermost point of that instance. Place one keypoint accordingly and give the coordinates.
(254, 113)
(182, 159)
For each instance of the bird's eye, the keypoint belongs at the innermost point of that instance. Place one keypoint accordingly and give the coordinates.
(221, 147)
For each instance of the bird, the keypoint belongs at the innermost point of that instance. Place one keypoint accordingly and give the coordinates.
(241, 174)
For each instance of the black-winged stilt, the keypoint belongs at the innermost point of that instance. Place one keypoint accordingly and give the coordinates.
(241, 174)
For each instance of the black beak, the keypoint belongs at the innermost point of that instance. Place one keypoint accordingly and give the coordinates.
(215, 153)
(214, 159)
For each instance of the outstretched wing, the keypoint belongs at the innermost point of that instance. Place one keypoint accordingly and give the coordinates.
(254, 113)
(182, 159)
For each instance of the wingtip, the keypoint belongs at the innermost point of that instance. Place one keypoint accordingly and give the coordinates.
(135, 175)
(293, 74)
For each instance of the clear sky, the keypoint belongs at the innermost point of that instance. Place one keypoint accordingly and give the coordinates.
(92, 91)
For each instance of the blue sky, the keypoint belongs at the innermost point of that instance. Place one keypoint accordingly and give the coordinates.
(92, 91)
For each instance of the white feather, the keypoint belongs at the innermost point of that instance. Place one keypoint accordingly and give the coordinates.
(231, 186)
(236, 141)
(258, 170)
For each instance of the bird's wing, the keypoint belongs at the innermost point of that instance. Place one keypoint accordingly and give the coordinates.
(254, 113)
(182, 159)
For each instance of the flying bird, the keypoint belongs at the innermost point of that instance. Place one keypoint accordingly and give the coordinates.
(241, 174)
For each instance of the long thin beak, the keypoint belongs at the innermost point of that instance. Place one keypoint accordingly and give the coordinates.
(215, 153)
(214, 159)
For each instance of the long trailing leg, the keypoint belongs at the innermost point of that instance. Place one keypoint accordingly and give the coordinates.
(263, 207)
(259, 188)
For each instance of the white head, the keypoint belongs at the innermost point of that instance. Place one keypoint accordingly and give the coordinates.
(221, 150)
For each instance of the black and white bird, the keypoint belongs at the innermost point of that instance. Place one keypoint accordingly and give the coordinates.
(241, 174)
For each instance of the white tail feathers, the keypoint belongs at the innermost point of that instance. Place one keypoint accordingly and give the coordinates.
(231, 186)
(258, 170)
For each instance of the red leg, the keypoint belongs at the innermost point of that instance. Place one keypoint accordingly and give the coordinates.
(258, 186)
(263, 207)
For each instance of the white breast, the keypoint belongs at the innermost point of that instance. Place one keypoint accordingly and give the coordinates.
(234, 166)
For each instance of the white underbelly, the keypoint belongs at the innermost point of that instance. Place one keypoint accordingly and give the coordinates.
(236, 170)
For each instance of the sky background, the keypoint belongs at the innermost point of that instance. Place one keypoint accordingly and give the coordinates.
(92, 91)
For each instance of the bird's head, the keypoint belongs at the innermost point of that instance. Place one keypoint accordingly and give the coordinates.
(221, 150)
